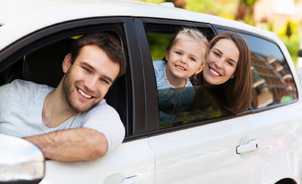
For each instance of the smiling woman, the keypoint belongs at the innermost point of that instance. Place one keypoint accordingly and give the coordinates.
(229, 65)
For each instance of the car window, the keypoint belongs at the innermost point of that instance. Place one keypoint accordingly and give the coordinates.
(179, 106)
(272, 81)
(42, 64)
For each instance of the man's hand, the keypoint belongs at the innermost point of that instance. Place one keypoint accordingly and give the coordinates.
(72, 145)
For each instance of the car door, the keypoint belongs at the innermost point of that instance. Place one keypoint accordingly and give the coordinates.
(208, 146)
(38, 58)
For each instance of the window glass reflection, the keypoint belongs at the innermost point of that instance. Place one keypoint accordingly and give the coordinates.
(272, 81)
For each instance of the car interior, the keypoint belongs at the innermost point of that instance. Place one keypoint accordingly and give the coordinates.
(44, 66)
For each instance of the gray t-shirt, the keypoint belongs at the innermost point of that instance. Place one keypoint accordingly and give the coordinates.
(21, 104)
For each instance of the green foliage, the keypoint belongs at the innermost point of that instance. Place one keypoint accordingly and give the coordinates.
(292, 43)
(201, 6)
(292, 47)
(221, 8)
(291, 28)
(248, 19)
(158, 44)
(153, 1)
(248, 2)
(288, 31)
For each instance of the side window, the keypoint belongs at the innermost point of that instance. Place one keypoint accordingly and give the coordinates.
(41, 62)
(272, 81)
(182, 105)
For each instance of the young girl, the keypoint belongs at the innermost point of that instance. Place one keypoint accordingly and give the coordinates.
(185, 58)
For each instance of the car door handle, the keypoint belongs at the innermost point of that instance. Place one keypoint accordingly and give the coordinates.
(249, 147)
(130, 180)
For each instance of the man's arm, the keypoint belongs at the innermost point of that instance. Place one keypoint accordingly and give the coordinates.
(72, 145)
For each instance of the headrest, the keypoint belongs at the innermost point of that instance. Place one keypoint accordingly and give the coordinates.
(44, 66)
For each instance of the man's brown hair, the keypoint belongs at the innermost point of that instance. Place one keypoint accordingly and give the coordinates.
(105, 41)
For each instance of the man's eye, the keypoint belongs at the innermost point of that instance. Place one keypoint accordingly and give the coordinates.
(105, 81)
(86, 69)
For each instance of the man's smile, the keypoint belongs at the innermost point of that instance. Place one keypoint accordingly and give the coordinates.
(84, 94)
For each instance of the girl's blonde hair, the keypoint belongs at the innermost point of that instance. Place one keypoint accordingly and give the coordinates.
(195, 34)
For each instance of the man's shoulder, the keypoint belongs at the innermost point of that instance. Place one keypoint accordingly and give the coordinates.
(20, 82)
(27, 89)
(102, 106)
(23, 85)
(102, 110)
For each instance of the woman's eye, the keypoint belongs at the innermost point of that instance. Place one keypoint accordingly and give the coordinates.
(230, 63)
(179, 53)
(216, 54)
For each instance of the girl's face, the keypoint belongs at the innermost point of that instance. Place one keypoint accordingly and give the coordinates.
(221, 62)
(184, 59)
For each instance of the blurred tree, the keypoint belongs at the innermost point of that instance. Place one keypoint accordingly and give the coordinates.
(245, 11)
(288, 31)
(221, 8)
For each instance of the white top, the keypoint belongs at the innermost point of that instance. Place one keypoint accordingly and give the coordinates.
(21, 104)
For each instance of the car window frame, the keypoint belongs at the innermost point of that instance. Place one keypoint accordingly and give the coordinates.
(152, 117)
(124, 27)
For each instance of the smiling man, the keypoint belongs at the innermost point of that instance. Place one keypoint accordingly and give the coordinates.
(71, 122)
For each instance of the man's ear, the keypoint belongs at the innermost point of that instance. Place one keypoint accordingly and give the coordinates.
(66, 63)
(199, 69)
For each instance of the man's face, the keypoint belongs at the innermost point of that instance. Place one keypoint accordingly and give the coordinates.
(88, 79)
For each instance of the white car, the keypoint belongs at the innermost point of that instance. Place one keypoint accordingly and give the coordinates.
(262, 145)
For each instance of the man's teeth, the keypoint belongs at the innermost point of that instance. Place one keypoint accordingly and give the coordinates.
(84, 94)
(215, 73)
(182, 68)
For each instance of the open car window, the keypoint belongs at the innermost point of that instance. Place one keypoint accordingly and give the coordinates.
(191, 104)
(41, 62)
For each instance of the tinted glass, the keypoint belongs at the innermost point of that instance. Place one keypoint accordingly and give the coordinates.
(272, 81)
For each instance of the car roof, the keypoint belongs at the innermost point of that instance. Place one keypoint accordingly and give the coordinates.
(26, 16)
(16, 9)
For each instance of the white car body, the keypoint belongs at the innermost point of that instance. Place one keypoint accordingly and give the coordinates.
(199, 154)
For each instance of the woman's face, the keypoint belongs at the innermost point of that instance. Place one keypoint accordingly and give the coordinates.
(221, 62)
